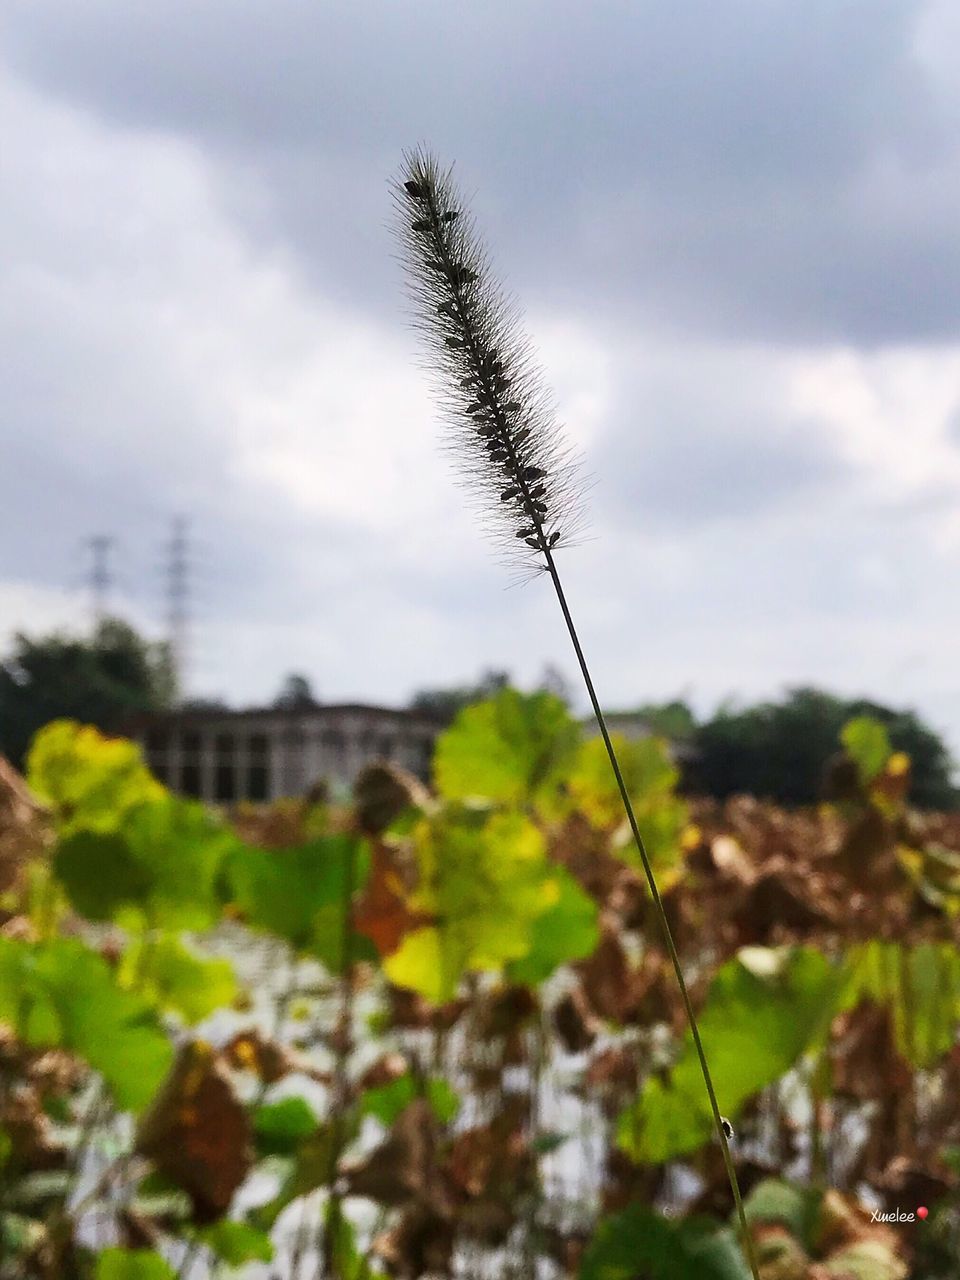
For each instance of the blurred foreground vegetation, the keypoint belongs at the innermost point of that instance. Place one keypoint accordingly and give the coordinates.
(435, 1032)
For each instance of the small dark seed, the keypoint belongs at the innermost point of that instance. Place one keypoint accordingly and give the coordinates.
(454, 342)
(416, 190)
(532, 542)
(538, 491)
(509, 493)
(511, 406)
(521, 435)
(451, 214)
(525, 533)
(468, 381)
(473, 408)
(435, 264)
(553, 539)
(530, 473)
(446, 308)
(421, 225)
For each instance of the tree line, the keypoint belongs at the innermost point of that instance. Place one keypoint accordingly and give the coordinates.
(774, 749)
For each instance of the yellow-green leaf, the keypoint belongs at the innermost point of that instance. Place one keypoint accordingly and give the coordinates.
(61, 994)
(132, 1264)
(87, 779)
(868, 742)
(485, 879)
(171, 976)
(763, 1009)
(513, 749)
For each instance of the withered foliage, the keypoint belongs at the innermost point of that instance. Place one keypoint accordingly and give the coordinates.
(197, 1133)
(486, 1128)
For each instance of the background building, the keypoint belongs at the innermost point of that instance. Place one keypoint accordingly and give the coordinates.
(222, 756)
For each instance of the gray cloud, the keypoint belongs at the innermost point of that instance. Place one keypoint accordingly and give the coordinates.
(715, 169)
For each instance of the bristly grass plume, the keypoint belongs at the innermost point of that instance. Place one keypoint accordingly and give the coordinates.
(523, 479)
(505, 439)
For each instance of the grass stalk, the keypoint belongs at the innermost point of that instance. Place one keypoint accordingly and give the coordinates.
(665, 929)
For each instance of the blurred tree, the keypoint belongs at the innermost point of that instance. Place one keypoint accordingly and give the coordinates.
(672, 720)
(100, 681)
(777, 751)
(296, 694)
(554, 681)
(443, 704)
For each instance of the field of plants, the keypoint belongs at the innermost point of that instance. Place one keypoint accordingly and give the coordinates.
(435, 1033)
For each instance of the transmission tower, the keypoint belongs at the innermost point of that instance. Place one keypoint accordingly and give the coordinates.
(178, 616)
(100, 579)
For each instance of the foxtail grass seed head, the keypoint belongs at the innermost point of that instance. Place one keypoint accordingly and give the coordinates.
(502, 431)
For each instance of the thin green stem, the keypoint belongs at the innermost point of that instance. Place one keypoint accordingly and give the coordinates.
(661, 913)
(341, 1085)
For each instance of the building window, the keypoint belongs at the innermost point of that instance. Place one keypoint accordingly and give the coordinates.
(258, 768)
(225, 772)
(190, 780)
(225, 783)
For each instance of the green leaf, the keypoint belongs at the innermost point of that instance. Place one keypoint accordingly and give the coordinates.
(639, 1242)
(513, 749)
(566, 931)
(58, 993)
(774, 1201)
(306, 1171)
(171, 976)
(865, 1260)
(348, 1262)
(648, 773)
(763, 1010)
(485, 878)
(100, 873)
(387, 1101)
(868, 742)
(158, 866)
(86, 779)
(650, 777)
(183, 847)
(299, 893)
(921, 984)
(237, 1242)
(544, 1144)
(132, 1264)
(281, 1126)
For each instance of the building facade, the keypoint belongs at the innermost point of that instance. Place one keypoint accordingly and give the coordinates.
(222, 756)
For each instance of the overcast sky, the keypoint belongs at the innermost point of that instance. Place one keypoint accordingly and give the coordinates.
(735, 232)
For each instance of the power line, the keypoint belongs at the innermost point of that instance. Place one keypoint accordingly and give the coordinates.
(178, 601)
(101, 578)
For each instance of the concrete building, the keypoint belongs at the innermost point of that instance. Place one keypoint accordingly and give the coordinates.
(223, 756)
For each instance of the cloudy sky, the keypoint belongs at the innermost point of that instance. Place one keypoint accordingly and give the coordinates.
(734, 232)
